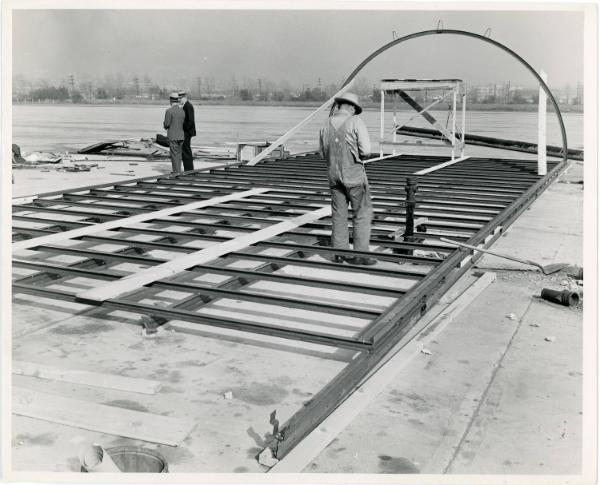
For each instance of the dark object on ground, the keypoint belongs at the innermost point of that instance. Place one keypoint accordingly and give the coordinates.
(488, 141)
(548, 269)
(77, 168)
(362, 261)
(16, 154)
(162, 140)
(563, 297)
(575, 272)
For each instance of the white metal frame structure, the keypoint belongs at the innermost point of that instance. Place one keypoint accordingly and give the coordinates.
(399, 87)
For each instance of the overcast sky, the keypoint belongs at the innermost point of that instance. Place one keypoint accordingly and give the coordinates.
(298, 46)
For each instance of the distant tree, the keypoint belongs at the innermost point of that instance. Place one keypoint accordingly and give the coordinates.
(278, 96)
(50, 93)
(518, 98)
(101, 93)
(361, 86)
(76, 97)
(245, 94)
(376, 95)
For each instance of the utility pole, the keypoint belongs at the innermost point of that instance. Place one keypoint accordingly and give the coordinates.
(234, 85)
(136, 81)
(72, 82)
(199, 83)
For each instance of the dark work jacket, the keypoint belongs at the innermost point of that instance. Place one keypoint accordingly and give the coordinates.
(189, 125)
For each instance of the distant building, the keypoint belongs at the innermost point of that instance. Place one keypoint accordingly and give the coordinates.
(579, 95)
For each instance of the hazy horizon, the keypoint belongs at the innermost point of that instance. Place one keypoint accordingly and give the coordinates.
(299, 47)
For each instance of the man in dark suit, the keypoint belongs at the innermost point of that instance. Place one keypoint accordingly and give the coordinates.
(174, 119)
(189, 130)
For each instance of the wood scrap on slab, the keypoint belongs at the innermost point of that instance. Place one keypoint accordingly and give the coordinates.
(109, 381)
(102, 418)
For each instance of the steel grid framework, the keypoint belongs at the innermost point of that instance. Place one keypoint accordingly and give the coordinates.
(372, 307)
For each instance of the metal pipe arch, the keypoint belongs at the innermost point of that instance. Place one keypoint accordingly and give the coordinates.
(465, 33)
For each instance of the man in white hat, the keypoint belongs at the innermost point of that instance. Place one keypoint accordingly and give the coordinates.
(344, 143)
(189, 130)
(174, 118)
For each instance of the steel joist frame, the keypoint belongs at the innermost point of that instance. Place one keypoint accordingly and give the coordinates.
(483, 38)
(396, 322)
(477, 189)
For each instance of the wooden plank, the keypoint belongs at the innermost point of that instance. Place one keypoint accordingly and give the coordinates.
(400, 356)
(441, 165)
(417, 107)
(94, 228)
(109, 381)
(170, 268)
(383, 157)
(286, 136)
(419, 84)
(100, 417)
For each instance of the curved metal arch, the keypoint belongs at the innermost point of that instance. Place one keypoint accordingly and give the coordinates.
(485, 39)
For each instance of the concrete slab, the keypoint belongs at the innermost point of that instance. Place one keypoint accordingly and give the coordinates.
(195, 371)
(35, 181)
(494, 397)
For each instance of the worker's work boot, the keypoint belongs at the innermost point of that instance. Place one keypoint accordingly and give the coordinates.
(365, 261)
(338, 259)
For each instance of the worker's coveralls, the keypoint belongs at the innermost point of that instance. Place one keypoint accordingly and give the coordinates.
(344, 142)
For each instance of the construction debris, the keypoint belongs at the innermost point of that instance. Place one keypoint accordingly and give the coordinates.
(564, 297)
(95, 458)
(266, 458)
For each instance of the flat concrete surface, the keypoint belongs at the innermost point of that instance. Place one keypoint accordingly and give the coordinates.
(494, 396)
(196, 371)
(501, 392)
(38, 180)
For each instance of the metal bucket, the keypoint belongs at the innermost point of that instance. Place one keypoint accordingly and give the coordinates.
(134, 459)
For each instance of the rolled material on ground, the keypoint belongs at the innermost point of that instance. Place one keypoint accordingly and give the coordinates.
(564, 297)
(95, 459)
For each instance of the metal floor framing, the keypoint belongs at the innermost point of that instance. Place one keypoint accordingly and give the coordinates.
(286, 286)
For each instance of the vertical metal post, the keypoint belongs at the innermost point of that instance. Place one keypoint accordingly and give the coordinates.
(382, 132)
(411, 188)
(395, 125)
(409, 221)
(454, 120)
(542, 166)
(464, 123)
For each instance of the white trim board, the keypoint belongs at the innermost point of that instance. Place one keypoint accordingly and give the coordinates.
(293, 130)
(102, 418)
(86, 378)
(441, 165)
(368, 160)
(95, 228)
(150, 275)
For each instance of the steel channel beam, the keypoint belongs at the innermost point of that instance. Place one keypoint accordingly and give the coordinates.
(384, 242)
(217, 293)
(250, 276)
(150, 261)
(398, 320)
(434, 219)
(293, 200)
(455, 186)
(215, 321)
(375, 190)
